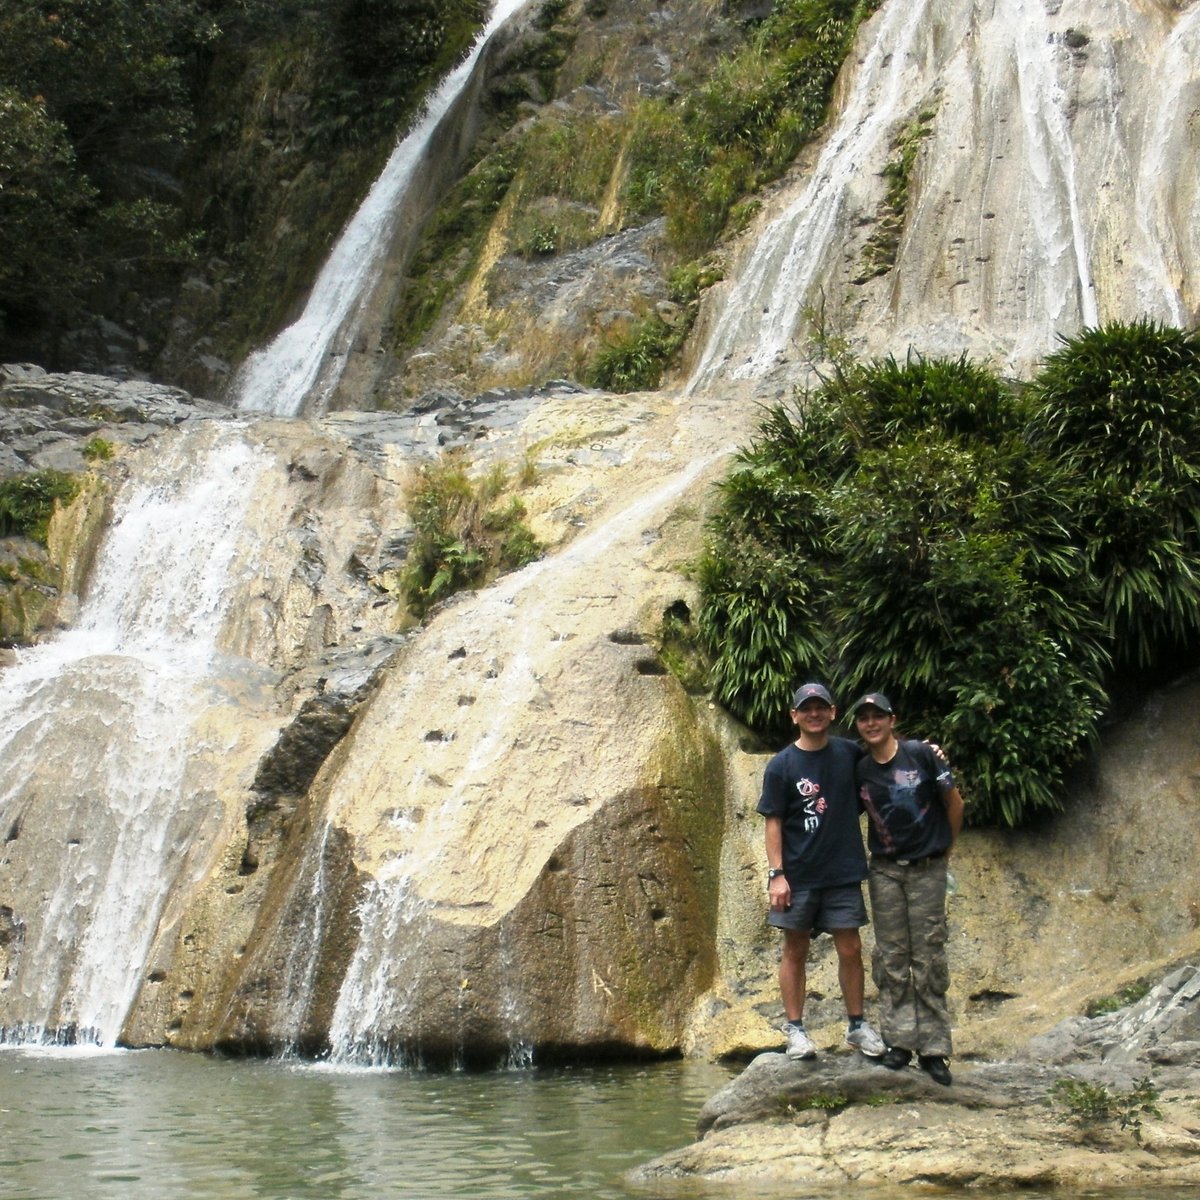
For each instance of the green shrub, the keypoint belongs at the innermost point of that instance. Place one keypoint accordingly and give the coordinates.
(1092, 1105)
(638, 360)
(749, 120)
(1120, 406)
(27, 502)
(915, 527)
(1131, 993)
(463, 538)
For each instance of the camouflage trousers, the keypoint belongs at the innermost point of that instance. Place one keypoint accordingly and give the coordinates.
(908, 914)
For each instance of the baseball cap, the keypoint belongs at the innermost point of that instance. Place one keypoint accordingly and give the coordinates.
(878, 699)
(811, 691)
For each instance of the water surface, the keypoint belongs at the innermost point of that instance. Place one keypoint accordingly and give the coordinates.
(156, 1125)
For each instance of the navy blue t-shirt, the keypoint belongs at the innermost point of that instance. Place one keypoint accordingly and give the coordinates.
(814, 792)
(903, 800)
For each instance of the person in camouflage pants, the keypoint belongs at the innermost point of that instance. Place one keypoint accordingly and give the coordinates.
(914, 815)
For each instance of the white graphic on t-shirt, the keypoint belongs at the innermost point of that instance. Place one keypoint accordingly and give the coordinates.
(814, 803)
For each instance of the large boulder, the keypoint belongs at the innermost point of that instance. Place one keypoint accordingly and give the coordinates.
(1100, 1102)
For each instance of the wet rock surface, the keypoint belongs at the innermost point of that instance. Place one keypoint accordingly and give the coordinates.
(47, 419)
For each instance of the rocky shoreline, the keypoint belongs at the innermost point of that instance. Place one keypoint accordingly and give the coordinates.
(1107, 1102)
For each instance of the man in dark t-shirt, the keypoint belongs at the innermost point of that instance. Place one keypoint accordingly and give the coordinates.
(816, 864)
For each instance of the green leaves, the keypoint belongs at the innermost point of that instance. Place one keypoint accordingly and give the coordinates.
(27, 502)
(463, 535)
(638, 360)
(995, 558)
(1120, 406)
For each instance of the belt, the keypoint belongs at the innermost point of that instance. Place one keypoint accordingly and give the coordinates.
(909, 862)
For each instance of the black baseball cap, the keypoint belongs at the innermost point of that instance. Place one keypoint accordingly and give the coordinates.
(878, 699)
(811, 691)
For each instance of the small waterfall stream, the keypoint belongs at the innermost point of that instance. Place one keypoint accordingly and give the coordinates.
(138, 680)
(522, 614)
(299, 369)
(1169, 235)
(1046, 197)
(759, 318)
(1053, 199)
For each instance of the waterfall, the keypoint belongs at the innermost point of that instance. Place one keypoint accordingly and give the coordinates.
(300, 368)
(759, 318)
(133, 817)
(1049, 193)
(375, 1016)
(1054, 200)
(112, 710)
(1168, 230)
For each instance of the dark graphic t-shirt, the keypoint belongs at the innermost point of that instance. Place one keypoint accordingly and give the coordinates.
(813, 791)
(903, 801)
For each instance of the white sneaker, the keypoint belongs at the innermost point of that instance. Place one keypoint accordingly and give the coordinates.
(865, 1038)
(799, 1044)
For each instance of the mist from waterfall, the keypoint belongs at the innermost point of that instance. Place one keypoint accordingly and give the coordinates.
(298, 370)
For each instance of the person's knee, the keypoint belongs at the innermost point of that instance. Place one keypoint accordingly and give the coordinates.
(848, 944)
(795, 945)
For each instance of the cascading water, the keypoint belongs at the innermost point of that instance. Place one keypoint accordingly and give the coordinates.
(144, 676)
(1169, 234)
(375, 1006)
(1045, 197)
(299, 369)
(114, 709)
(764, 307)
(1054, 201)
(137, 680)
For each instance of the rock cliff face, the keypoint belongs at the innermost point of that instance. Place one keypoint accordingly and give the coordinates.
(513, 827)
(1003, 171)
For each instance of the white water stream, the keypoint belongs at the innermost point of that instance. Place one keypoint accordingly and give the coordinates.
(103, 730)
(759, 319)
(1052, 191)
(522, 614)
(114, 710)
(299, 369)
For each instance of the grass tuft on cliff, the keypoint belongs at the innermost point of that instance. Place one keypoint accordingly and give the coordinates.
(468, 530)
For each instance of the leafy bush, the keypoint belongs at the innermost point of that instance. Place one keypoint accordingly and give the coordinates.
(1120, 406)
(463, 536)
(638, 360)
(744, 126)
(1092, 1105)
(27, 502)
(926, 528)
(1131, 993)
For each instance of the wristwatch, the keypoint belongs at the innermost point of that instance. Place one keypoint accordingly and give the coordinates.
(774, 873)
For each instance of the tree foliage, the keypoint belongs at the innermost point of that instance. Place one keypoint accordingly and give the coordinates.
(94, 115)
(121, 160)
(966, 545)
